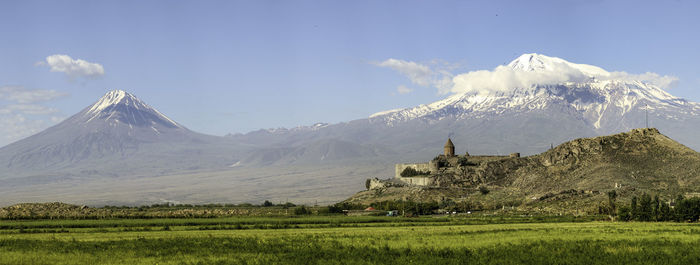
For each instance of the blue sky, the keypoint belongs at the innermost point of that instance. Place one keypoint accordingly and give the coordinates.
(222, 67)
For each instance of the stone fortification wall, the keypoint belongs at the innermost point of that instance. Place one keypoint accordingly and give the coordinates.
(417, 180)
(376, 183)
(482, 159)
(416, 166)
(420, 181)
(449, 167)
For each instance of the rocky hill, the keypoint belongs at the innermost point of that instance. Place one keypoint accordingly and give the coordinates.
(574, 176)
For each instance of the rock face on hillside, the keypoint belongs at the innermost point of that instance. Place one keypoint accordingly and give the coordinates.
(576, 174)
(642, 159)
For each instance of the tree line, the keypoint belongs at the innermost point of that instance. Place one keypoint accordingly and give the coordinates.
(648, 209)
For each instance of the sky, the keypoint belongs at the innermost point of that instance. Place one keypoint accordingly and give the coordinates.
(220, 67)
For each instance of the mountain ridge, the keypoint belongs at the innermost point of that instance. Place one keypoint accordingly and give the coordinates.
(121, 137)
(523, 119)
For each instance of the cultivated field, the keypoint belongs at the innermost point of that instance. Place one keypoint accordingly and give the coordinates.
(348, 240)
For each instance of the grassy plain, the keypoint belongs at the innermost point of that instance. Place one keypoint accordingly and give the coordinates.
(348, 240)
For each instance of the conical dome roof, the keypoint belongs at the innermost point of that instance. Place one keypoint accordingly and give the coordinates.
(449, 143)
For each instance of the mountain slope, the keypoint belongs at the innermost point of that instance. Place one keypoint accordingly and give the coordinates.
(590, 101)
(324, 150)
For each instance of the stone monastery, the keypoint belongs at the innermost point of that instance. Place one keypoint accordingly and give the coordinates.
(446, 169)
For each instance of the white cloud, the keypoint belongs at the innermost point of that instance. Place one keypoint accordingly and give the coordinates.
(665, 82)
(504, 78)
(72, 67)
(21, 115)
(32, 109)
(418, 74)
(437, 76)
(57, 119)
(403, 89)
(17, 126)
(23, 95)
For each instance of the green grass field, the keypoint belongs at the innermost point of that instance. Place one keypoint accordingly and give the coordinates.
(347, 240)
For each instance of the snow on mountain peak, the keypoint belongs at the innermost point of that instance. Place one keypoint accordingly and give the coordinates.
(113, 97)
(537, 82)
(533, 62)
(120, 101)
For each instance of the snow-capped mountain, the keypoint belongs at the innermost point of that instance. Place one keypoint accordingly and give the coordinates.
(122, 115)
(120, 107)
(596, 96)
(119, 132)
(556, 101)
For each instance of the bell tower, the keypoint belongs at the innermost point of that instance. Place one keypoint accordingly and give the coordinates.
(449, 148)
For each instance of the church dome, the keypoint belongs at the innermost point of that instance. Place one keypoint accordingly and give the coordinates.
(449, 143)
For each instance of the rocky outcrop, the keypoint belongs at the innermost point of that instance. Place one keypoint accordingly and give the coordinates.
(376, 183)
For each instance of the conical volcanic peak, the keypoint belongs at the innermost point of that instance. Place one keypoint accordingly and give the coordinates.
(113, 98)
(533, 62)
(118, 106)
(117, 135)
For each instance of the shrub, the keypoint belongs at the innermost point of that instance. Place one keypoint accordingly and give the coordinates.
(301, 210)
(410, 172)
(339, 207)
(462, 161)
(441, 161)
(287, 205)
(645, 209)
(484, 190)
(612, 196)
(624, 213)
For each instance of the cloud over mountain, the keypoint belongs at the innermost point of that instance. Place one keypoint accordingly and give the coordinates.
(535, 69)
(418, 74)
(664, 82)
(437, 76)
(504, 78)
(523, 72)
